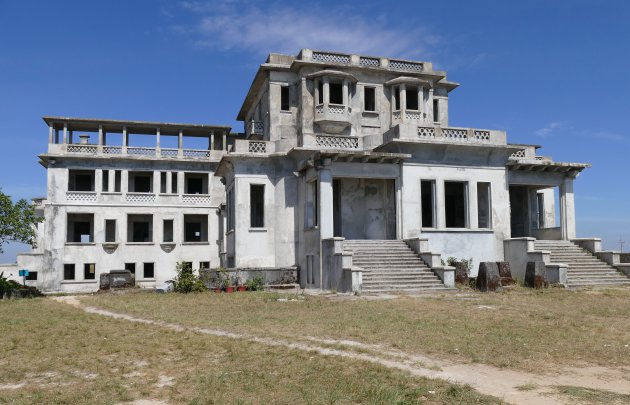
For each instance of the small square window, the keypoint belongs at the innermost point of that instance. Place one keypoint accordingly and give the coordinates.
(204, 265)
(68, 271)
(32, 276)
(149, 270)
(89, 271)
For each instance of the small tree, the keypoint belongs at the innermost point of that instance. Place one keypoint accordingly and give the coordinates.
(186, 281)
(17, 221)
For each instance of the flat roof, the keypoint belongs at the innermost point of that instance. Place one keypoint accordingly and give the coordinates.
(134, 127)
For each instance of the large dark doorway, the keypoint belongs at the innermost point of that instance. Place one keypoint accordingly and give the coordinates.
(519, 210)
(364, 208)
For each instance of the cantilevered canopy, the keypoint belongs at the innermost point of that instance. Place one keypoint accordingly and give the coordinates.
(135, 127)
(572, 169)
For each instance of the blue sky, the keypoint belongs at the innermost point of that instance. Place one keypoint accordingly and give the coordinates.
(553, 73)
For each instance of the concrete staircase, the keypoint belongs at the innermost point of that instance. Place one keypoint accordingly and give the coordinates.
(393, 267)
(584, 268)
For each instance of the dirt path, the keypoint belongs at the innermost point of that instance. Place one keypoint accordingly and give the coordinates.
(490, 380)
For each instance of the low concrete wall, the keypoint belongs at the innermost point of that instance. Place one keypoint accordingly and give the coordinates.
(271, 276)
(624, 257)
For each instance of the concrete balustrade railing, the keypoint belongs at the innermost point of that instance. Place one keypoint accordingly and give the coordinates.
(421, 132)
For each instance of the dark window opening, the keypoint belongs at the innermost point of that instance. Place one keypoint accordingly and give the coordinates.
(139, 228)
(257, 205)
(412, 98)
(68, 271)
(196, 183)
(140, 182)
(320, 88)
(540, 205)
(284, 98)
(369, 102)
(131, 267)
(455, 204)
(483, 205)
(81, 180)
(396, 98)
(230, 209)
(311, 204)
(174, 183)
(80, 228)
(89, 271)
(117, 181)
(32, 276)
(427, 192)
(149, 270)
(105, 185)
(335, 93)
(195, 228)
(110, 230)
(436, 111)
(168, 230)
(204, 265)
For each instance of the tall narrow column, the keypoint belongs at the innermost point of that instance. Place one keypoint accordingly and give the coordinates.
(403, 101)
(169, 182)
(157, 141)
(65, 133)
(180, 144)
(345, 93)
(225, 141)
(429, 107)
(211, 141)
(326, 205)
(100, 135)
(51, 132)
(112, 181)
(567, 209)
(125, 141)
(326, 92)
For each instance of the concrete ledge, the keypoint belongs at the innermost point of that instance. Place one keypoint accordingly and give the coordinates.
(609, 257)
(557, 273)
(446, 274)
(593, 245)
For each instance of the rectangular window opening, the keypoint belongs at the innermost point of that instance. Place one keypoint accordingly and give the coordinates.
(204, 265)
(140, 182)
(257, 205)
(110, 230)
(163, 182)
(168, 230)
(148, 270)
(196, 183)
(89, 271)
(68, 271)
(284, 98)
(32, 276)
(369, 101)
(335, 93)
(427, 195)
(131, 267)
(311, 204)
(195, 228)
(396, 98)
(230, 209)
(436, 111)
(105, 185)
(139, 228)
(455, 203)
(117, 180)
(81, 180)
(484, 208)
(320, 88)
(412, 98)
(80, 228)
(174, 183)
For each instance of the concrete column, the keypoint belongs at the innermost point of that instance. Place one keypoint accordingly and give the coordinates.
(345, 92)
(112, 181)
(157, 141)
(124, 181)
(180, 183)
(403, 100)
(225, 141)
(125, 142)
(567, 209)
(98, 181)
(429, 107)
(326, 225)
(473, 214)
(211, 141)
(100, 135)
(180, 144)
(169, 182)
(316, 92)
(51, 132)
(65, 133)
(156, 182)
(440, 214)
(326, 92)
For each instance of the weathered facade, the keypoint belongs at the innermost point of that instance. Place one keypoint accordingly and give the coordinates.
(347, 172)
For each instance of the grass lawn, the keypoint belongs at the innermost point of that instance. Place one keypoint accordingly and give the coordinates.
(520, 328)
(62, 355)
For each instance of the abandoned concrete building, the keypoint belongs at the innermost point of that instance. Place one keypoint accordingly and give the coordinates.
(347, 177)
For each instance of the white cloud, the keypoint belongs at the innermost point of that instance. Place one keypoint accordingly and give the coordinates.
(261, 27)
(552, 128)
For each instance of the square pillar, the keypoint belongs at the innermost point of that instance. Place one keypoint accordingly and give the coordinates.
(180, 144)
(440, 214)
(112, 181)
(225, 142)
(326, 91)
(211, 141)
(51, 132)
(567, 209)
(169, 182)
(326, 225)
(157, 141)
(125, 141)
(473, 208)
(124, 181)
(65, 133)
(345, 92)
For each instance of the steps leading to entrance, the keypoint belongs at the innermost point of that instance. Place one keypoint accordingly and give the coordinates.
(584, 268)
(393, 267)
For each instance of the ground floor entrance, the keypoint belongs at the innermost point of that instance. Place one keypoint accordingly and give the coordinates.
(364, 208)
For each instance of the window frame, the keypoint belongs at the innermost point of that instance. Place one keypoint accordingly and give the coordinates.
(66, 269)
(253, 217)
(488, 204)
(433, 184)
(285, 103)
(365, 99)
(466, 203)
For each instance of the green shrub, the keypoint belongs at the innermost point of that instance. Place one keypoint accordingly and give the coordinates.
(255, 284)
(186, 281)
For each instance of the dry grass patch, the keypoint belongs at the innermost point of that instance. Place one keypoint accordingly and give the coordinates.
(55, 354)
(522, 329)
(583, 395)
